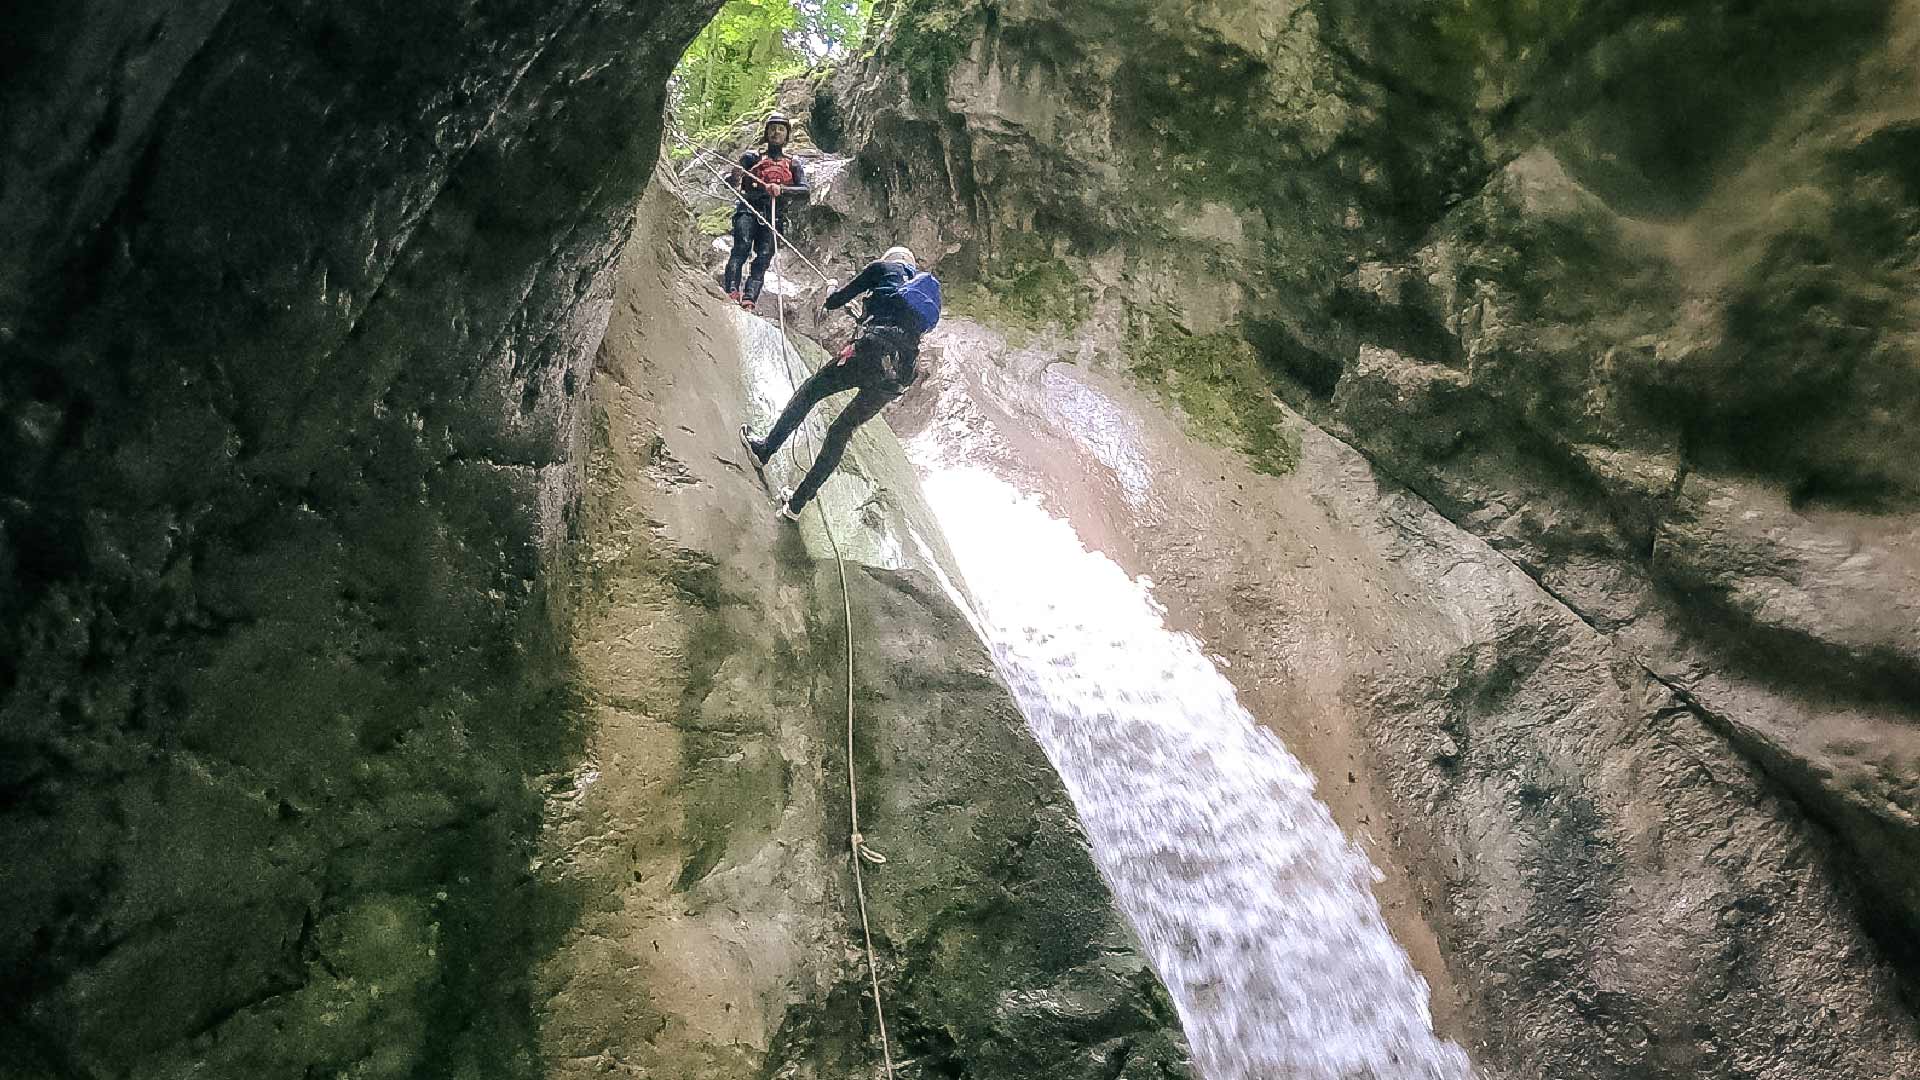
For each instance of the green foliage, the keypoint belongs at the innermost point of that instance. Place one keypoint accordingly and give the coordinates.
(1218, 382)
(834, 28)
(729, 73)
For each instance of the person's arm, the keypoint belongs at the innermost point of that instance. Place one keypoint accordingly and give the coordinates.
(873, 275)
(741, 176)
(799, 185)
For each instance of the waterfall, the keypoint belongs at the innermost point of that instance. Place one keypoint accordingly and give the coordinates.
(1255, 909)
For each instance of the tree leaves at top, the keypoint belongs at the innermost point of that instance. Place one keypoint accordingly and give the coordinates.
(730, 71)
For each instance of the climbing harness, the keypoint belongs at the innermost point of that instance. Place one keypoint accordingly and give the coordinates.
(856, 843)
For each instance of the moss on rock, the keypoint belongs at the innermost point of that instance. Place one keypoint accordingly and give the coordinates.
(715, 222)
(1025, 285)
(930, 37)
(1219, 383)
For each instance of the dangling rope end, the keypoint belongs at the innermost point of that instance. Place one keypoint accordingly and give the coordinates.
(861, 852)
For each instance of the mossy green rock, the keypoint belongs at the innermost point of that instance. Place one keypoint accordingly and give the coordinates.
(1218, 382)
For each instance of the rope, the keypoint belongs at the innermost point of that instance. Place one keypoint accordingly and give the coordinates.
(857, 843)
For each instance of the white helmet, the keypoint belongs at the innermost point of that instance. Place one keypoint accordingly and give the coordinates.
(900, 255)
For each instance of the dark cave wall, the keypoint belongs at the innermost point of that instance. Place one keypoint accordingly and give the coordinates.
(297, 307)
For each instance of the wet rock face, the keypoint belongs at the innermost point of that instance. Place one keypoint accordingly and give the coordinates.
(297, 309)
(1624, 289)
(705, 828)
(1664, 368)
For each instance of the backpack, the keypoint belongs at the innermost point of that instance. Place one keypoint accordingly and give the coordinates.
(921, 295)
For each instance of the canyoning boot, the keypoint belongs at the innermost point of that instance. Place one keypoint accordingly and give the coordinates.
(753, 454)
(733, 296)
(746, 306)
(786, 511)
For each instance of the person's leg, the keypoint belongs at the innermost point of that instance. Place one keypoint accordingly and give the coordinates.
(743, 228)
(762, 258)
(865, 406)
(829, 380)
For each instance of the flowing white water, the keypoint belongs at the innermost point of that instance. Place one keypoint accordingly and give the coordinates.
(1251, 904)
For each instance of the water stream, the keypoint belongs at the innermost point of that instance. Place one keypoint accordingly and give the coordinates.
(1251, 904)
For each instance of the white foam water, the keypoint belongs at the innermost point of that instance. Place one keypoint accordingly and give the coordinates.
(1251, 904)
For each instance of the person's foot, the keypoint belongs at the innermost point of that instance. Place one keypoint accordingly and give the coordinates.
(734, 295)
(746, 305)
(786, 511)
(753, 446)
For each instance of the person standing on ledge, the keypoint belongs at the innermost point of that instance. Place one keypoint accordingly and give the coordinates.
(760, 177)
(902, 304)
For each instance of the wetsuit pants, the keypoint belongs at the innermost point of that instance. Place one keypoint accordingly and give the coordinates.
(750, 237)
(867, 371)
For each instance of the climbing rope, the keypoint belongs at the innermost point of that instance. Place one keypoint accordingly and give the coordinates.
(857, 844)
(726, 132)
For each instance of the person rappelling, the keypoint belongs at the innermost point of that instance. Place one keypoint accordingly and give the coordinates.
(902, 303)
(761, 178)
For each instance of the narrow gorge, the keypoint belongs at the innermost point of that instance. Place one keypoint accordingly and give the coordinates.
(1401, 561)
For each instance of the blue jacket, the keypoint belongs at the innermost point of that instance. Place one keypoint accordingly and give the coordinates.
(886, 308)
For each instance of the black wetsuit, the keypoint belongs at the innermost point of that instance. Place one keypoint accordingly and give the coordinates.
(885, 356)
(751, 236)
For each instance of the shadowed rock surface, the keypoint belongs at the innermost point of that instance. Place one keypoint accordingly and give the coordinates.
(297, 306)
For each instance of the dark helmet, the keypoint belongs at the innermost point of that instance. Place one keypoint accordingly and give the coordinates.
(776, 118)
